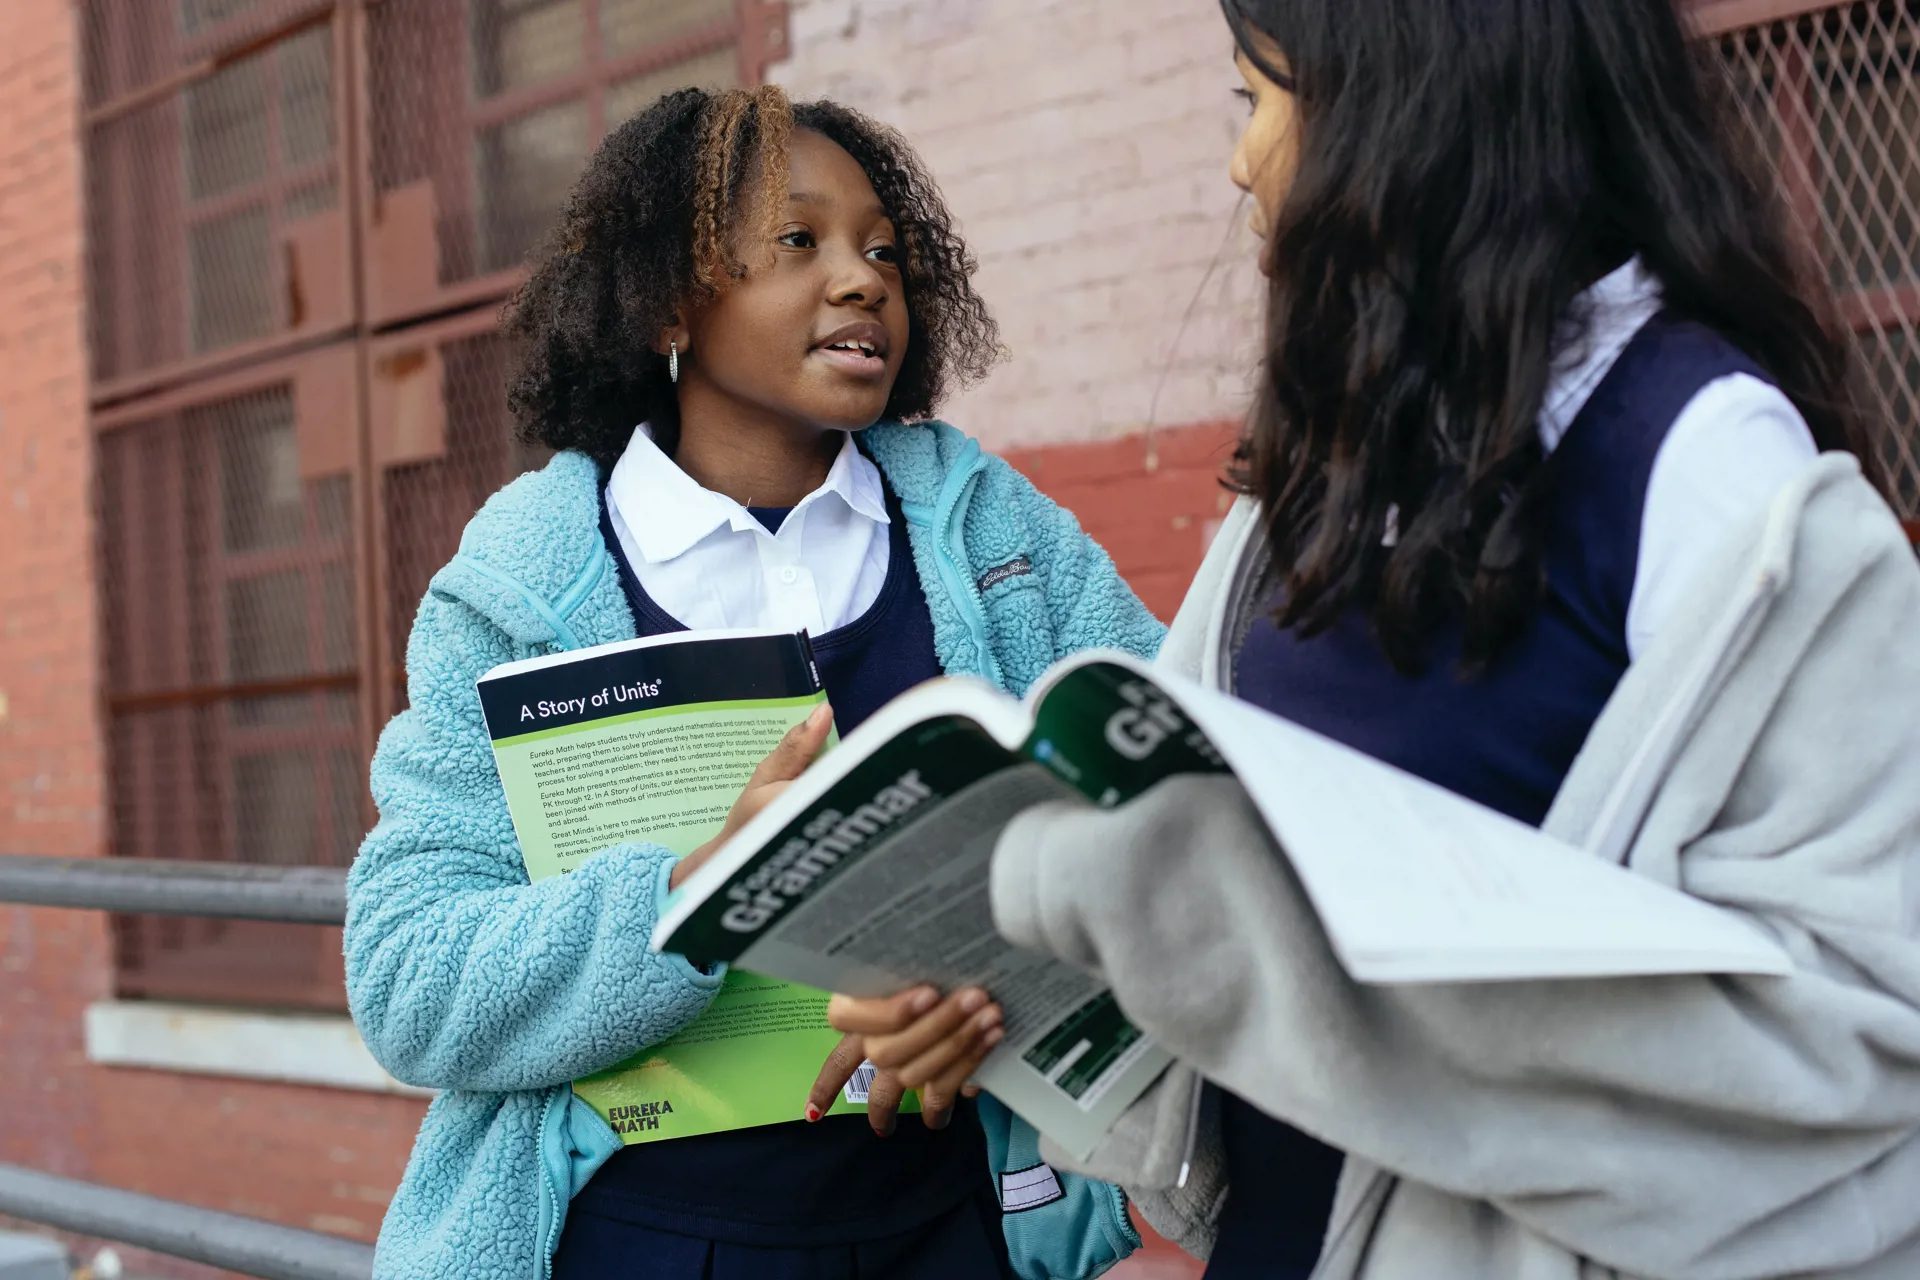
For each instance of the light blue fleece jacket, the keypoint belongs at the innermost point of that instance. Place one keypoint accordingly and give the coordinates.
(465, 978)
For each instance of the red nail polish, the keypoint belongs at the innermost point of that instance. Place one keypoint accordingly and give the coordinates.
(813, 1113)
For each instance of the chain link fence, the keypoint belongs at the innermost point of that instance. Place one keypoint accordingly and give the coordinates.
(303, 216)
(1833, 98)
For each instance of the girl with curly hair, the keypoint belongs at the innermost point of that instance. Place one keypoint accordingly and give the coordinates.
(734, 340)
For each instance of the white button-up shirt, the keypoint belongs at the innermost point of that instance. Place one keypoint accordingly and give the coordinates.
(707, 562)
(1734, 446)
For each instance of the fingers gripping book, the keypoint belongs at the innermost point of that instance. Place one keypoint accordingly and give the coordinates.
(653, 740)
(870, 873)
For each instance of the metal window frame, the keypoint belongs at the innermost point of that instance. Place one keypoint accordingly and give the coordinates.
(757, 29)
(351, 347)
(205, 614)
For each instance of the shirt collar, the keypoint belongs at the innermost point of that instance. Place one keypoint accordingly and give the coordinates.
(668, 512)
(1601, 324)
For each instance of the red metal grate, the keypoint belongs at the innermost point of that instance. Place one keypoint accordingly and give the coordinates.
(1833, 98)
(231, 680)
(476, 137)
(303, 216)
(428, 502)
(214, 187)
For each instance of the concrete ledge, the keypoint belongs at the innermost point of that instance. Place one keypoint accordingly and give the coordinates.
(293, 1048)
(31, 1258)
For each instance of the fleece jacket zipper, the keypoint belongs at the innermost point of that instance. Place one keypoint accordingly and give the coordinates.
(946, 522)
(556, 1197)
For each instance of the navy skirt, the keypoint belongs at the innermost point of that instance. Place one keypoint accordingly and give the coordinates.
(964, 1243)
(1280, 1187)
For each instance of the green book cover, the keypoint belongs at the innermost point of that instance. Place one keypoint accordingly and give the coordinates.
(653, 740)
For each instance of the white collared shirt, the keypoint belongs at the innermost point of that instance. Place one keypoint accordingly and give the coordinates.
(707, 562)
(1728, 453)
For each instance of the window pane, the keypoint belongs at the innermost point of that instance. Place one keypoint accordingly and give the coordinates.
(259, 473)
(333, 505)
(195, 14)
(309, 200)
(231, 275)
(522, 42)
(275, 807)
(526, 166)
(267, 627)
(337, 617)
(277, 711)
(348, 817)
(227, 130)
(626, 25)
(717, 70)
(306, 97)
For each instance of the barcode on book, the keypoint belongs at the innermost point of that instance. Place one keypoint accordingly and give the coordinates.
(857, 1089)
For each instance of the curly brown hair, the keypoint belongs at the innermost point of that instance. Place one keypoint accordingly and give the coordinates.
(650, 228)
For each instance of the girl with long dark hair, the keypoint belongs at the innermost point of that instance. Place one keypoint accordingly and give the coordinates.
(1533, 508)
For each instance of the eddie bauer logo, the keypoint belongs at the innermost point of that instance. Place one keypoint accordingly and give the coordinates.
(639, 1117)
(1018, 567)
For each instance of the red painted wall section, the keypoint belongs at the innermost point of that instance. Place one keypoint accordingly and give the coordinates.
(1153, 501)
(317, 1158)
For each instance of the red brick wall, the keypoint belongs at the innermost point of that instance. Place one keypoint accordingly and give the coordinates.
(1153, 501)
(1083, 147)
(311, 1157)
(51, 790)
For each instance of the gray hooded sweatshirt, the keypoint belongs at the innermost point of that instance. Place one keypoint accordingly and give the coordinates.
(1763, 755)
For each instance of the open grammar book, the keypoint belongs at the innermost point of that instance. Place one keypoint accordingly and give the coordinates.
(870, 873)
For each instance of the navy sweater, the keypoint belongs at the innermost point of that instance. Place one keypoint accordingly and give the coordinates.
(799, 1185)
(1506, 739)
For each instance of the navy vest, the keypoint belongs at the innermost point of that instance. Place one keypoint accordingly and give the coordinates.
(833, 1182)
(1506, 739)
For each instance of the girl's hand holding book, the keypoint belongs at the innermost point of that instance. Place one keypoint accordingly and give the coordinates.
(924, 1042)
(771, 776)
(883, 1093)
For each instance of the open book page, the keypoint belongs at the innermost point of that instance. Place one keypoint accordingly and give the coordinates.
(872, 872)
(1416, 884)
(652, 741)
(875, 877)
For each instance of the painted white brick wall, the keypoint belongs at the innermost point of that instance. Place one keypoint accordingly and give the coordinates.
(1083, 144)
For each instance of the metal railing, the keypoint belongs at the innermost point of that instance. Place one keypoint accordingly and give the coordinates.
(246, 1245)
(250, 1246)
(161, 886)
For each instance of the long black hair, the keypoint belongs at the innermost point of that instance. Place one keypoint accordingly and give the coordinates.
(1466, 169)
(649, 229)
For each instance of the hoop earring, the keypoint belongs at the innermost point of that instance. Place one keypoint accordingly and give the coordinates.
(673, 360)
